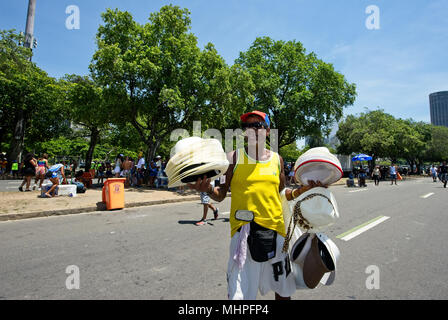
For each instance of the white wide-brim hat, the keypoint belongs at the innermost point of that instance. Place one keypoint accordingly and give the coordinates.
(318, 164)
(314, 258)
(315, 209)
(193, 158)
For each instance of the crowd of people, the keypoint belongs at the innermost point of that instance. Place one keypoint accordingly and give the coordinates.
(137, 172)
(140, 173)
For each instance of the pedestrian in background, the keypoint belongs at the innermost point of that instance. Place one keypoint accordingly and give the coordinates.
(393, 174)
(376, 175)
(15, 169)
(444, 173)
(41, 170)
(28, 171)
(101, 173)
(434, 173)
(140, 169)
(118, 165)
(205, 200)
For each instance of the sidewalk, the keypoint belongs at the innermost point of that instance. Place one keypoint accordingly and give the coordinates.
(23, 205)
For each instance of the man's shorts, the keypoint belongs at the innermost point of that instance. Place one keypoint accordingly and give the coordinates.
(393, 176)
(51, 174)
(273, 275)
(205, 198)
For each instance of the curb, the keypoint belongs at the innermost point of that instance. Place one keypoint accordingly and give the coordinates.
(39, 214)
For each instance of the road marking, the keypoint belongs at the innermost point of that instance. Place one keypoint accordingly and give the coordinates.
(358, 190)
(356, 231)
(427, 195)
(224, 213)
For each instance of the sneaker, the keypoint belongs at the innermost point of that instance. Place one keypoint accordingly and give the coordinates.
(215, 213)
(200, 223)
(21, 189)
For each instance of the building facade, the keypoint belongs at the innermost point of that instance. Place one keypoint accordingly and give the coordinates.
(438, 105)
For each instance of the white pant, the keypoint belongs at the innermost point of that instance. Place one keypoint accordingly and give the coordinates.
(272, 275)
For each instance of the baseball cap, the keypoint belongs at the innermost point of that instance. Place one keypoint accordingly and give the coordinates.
(256, 113)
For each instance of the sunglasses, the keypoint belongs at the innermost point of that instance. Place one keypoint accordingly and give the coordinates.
(255, 125)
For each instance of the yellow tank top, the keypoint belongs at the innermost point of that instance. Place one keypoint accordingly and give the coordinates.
(254, 187)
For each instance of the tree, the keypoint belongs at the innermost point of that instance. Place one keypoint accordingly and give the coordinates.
(437, 147)
(371, 133)
(29, 99)
(302, 94)
(88, 108)
(158, 77)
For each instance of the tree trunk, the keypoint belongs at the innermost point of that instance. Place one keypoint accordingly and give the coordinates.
(94, 134)
(18, 138)
(151, 152)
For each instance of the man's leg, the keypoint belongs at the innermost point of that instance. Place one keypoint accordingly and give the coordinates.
(204, 213)
(215, 211)
(55, 182)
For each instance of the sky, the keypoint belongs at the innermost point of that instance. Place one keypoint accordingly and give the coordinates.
(395, 66)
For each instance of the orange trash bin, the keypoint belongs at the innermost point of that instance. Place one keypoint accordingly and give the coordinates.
(113, 193)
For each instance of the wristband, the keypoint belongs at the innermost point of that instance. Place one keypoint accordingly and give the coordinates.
(298, 194)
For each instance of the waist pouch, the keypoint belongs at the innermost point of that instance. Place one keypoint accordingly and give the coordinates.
(261, 242)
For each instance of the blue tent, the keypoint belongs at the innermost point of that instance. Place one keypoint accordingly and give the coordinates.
(361, 157)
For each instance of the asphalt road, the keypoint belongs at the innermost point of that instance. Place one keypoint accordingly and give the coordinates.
(12, 185)
(157, 252)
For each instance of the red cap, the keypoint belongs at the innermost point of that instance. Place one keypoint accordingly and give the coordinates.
(257, 113)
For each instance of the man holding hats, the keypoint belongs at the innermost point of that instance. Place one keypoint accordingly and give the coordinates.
(256, 177)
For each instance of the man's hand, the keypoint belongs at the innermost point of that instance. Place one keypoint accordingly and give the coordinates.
(311, 184)
(201, 185)
(315, 184)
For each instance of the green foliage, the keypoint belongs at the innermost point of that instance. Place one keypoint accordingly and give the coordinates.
(30, 100)
(382, 136)
(290, 152)
(158, 78)
(437, 147)
(64, 146)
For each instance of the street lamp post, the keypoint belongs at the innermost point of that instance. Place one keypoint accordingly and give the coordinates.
(30, 42)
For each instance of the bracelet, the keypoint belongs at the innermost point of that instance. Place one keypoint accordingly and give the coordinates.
(293, 197)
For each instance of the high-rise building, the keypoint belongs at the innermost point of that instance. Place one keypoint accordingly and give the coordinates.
(438, 105)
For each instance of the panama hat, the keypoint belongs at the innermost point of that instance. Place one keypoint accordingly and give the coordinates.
(193, 158)
(314, 258)
(314, 209)
(318, 164)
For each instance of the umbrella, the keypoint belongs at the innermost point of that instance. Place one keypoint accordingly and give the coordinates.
(361, 157)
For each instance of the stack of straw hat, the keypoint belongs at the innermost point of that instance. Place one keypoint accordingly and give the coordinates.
(193, 158)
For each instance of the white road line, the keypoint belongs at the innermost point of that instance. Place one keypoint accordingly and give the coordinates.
(427, 195)
(359, 230)
(224, 213)
(358, 190)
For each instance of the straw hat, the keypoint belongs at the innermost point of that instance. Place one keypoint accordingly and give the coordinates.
(314, 258)
(193, 158)
(318, 164)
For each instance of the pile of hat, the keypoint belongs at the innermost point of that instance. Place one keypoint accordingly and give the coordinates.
(313, 254)
(195, 158)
